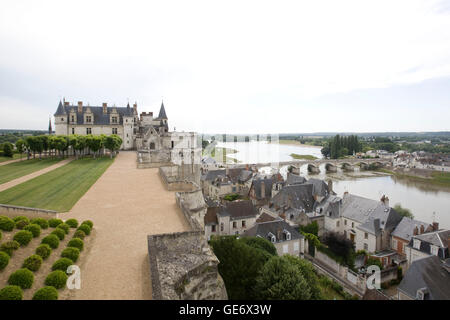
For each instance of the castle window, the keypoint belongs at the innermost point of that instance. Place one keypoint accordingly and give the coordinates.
(234, 225)
(114, 130)
(88, 119)
(62, 119)
(88, 130)
(152, 145)
(73, 130)
(172, 144)
(73, 119)
(243, 224)
(213, 228)
(114, 119)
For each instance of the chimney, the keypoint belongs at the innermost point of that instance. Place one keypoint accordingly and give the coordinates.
(105, 108)
(422, 229)
(66, 103)
(416, 231)
(135, 108)
(80, 106)
(385, 200)
(246, 167)
(263, 189)
(435, 226)
(330, 186)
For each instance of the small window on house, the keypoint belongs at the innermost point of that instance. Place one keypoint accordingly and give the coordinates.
(337, 223)
(416, 244)
(114, 119)
(345, 222)
(296, 246)
(73, 130)
(366, 235)
(286, 248)
(172, 144)
(62, 119)
(366, 246)
(213, 228)
(234, 225)
(88, 119)
(434, 250)
(353, 224)
(114, 130)
(88, 130)
(221, 226)
(243, 224)
(73, 119)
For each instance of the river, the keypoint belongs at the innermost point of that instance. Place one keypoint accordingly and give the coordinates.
(425, 200)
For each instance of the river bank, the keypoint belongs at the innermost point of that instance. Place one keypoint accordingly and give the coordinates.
(420, 175)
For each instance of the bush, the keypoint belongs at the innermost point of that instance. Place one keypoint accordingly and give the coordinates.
(73, 223)
(33, 262)
(71, 253)
(44, 251)
(64, 226)
(76, 243)
(23, 278)
(35, 229)
(11, 293)
(23, 237)
(62, 264)
(8, 150)
(6, 224)
(46, 293)
(260, 243)
(51, 240)
(85, 228)
(4, 260)
(89, 223)
(21, 224)
(41, 222)
(56, 279)
(1, 235)
(54, 222)
(21, 218)
(9, 246)
(59, 233)
(79, 234)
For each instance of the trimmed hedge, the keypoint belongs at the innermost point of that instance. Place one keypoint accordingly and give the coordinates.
(4, 260)
(21, 218)
(73, 223)
(44, 251)
(43, 223)
(79, 234)
(51, 240)
(46, 293)
(76, 243)
(23, 237)
(11, 293)
(89, 223)
(62, 264)
(34, 228)
(59, 233)
(71, 253)
(56, 279)
(33, 262)
(23, 278)
(6, 224)
(85, 228)
(9, 246)
(21, 224)
(54, 222)
(65, 227)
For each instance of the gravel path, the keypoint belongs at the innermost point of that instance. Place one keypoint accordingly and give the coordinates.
(35, 174)
(126, 204)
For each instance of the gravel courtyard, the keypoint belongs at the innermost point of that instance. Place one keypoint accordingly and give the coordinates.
(126, 204)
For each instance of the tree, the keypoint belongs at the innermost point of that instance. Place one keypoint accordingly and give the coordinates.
(21, 146)
(403, 211)
(80, 144)
(281, 279)
(340, 246)
(8, 150)
(309, 273)
(94, 143)
(260, 243)
(312, 228)
(239, 265)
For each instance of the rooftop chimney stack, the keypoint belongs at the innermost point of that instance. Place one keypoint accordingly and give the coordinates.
(263, 189)
(422, 229)
(435, 226)
(105, 108)
(66, 103)
(416, 231)
(135, 107)
(80, 106)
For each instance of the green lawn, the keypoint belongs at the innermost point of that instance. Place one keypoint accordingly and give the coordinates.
(58, 189)
(303, 156)
(19, 169)
(14, 157)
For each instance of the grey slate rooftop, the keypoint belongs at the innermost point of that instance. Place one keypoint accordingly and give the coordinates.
(405, 229)
(275, 227)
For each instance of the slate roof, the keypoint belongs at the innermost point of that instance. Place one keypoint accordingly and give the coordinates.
(275, 227)
(162, 113)
(427, 273)
(330, 206)
(320, 188)
(437, 238)
(362, 209)
(257, 186)
(294, 179)
(405, 229)
(298, 196)
(211, 175)
(99, 118)
(264, 217)
(238, 209)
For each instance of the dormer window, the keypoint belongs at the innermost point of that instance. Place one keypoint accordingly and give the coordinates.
(114, 119)
(434, 250)
(88, 119)
(286, 235)
(271, 237)
(416, 244)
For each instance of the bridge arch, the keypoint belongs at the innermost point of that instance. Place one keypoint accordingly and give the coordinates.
(330, 167)
(313, 168)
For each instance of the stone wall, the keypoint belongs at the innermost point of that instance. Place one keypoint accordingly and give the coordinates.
(183, 267)
(193, 206)
(14, 211)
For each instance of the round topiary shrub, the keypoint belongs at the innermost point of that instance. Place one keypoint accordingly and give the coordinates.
(89, 223)
(46, 293)
(35, 229)
(71, 253)
(23, 278)
(33, 262)
(41, 222)
(56, 279)
(9, 246)
(51, 240)
(21, 224)
(85, 228)
(59, 233)
(6, 224)
(65, 227)
(54, 222)
(62, 264)
(44, 251)
(4, 260)
(11, 293)
(79, 234)
(21, 218)
(73, 223)
(23, 237)
(76, 243)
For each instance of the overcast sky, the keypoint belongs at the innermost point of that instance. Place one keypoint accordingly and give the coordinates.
(232, 66)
